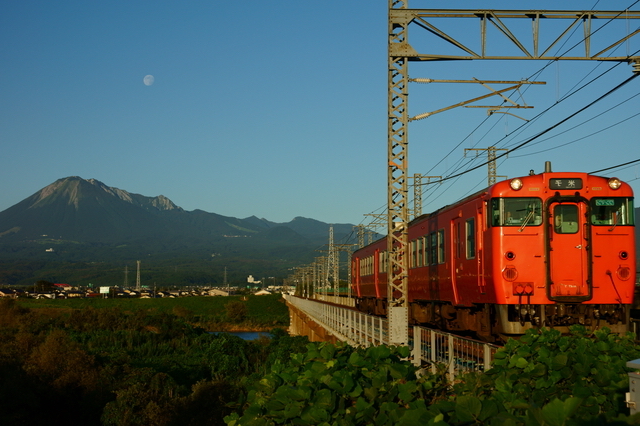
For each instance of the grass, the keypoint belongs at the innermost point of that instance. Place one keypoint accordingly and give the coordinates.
(263, 312)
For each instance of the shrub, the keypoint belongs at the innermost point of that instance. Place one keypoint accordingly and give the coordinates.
(544, 378)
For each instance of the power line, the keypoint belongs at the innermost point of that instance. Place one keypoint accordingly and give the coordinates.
(615, 167)
(548, 129)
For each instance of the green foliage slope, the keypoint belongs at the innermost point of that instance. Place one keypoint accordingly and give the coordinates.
(543, 379)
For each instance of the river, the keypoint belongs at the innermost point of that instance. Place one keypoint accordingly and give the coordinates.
(246, 335)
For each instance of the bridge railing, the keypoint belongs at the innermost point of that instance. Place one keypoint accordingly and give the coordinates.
(429, 347)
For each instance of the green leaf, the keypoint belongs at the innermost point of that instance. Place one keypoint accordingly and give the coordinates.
(468, 408)
(489, 410)
(404, 351)
(559, 361)
(356, 392)
(356, 359)
(379, 352)
(293, 410)
(556, 413)
(406, 391)
(553, 413)
(520, 404)
(324, 399)
(362, 404)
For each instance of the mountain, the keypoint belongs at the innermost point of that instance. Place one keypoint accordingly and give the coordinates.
(84, 220)
(84, 210)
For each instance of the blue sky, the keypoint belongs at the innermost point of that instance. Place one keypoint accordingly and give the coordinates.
(278, 109)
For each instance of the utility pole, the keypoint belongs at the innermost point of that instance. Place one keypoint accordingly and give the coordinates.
(417, 191)
(360, 235)
(138, 277)
(397, 169)
(491, 158)
(126, 276)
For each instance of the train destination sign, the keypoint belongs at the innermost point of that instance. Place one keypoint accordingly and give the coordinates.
(562, 183)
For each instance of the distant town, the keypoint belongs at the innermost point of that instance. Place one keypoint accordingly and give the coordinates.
(43, 290)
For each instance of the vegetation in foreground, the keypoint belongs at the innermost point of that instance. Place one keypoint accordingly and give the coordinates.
(543, 379)
(117, 365)
(111, 366)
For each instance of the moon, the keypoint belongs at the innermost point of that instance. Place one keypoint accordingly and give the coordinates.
(148, 80)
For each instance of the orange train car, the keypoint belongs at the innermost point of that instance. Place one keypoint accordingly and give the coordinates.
(548, 249)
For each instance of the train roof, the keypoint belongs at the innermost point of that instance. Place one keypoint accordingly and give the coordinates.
(489, 190)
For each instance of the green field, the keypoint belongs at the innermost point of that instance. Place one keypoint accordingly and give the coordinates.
(262, 312)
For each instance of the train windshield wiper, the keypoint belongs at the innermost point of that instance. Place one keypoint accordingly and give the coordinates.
(615, 221)
(526, 220)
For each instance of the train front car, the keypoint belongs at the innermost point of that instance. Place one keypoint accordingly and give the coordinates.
(552, 250)
(563, 252)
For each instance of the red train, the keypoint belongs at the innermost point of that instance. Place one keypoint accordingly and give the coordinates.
(549, 249)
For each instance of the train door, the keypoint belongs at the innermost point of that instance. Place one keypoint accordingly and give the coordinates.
(568, 266)
(456, 256)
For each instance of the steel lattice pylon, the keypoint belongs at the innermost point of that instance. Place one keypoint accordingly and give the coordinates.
(397, 219)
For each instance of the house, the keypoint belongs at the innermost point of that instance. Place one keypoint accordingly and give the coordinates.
(62, 287)
(216, 292)
(45, 295)
(5, 292)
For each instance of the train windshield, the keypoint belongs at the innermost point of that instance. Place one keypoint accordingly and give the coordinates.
(612, 211)
(516, 212)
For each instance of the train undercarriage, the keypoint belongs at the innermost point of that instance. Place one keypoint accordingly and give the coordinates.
(492, 323)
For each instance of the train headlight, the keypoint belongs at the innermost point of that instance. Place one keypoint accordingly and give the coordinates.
(516, 184)
(624, 273)
(624, 255)
(614, 183)
(510, 273)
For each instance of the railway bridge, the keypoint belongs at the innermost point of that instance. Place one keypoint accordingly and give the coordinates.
(333, 318)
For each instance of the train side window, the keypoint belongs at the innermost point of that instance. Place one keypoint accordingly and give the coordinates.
(427, 250)
(420, 247)
(565, 219)
(413, 261)
(441, 251)
(521, 211)
(471, 238)
(612, 211)
(434, 248)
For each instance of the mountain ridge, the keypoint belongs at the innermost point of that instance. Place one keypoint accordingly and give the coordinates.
(87, 211)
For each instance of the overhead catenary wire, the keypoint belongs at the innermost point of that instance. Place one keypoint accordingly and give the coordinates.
(618, 166)
(468, 166)
(532, 76)
(548, 129)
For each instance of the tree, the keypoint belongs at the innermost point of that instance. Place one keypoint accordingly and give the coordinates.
(148, 400)
(236, 311)
(43, 286)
